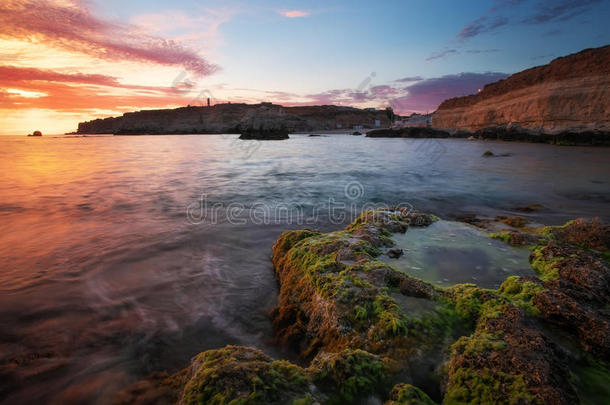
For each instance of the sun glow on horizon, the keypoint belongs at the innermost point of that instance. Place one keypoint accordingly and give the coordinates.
(66, 61)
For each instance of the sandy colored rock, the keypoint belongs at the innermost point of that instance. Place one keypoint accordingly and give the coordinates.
(570, 94)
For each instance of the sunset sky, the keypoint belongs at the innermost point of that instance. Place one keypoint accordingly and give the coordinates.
(65, 61)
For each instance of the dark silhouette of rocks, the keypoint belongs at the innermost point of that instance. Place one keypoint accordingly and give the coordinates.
(408, 132)
(237, 119)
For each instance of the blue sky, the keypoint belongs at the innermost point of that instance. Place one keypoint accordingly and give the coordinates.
(289, 52)
(340, 42)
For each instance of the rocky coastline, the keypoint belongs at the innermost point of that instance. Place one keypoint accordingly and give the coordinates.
(236, 118)
(509, 133)
(354, 321)
(566, 98)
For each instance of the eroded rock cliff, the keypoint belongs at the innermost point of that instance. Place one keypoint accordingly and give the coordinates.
(570, 94)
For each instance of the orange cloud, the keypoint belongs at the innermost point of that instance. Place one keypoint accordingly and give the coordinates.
(294, 13)
(69, 24)
(77, 92)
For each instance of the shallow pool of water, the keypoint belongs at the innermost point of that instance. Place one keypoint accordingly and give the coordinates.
(447, 253)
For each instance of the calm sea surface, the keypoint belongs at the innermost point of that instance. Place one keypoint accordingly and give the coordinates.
(122, 256)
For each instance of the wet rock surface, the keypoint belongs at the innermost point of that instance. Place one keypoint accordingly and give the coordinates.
(368, 333)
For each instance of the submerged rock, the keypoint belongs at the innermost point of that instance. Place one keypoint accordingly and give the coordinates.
(515, 222)
(530, 208)
(395, 253)
(489, 153)
(266, 135)
(36, 133)
(408, 132)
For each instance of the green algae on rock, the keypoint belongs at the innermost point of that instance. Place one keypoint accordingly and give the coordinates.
(241, 375)
(334, 294)
(521, 292)
(506, 355)
(345, 376)
(505, 360)
(364, 326)
(407, 394)
(575, 280)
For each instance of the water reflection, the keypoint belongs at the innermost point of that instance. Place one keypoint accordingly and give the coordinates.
(103, 280)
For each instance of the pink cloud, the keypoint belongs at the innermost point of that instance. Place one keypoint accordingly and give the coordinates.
(66, 92)
(72, 26)
(426, 95)
(294, 13)
(18, 76)
(421, 96)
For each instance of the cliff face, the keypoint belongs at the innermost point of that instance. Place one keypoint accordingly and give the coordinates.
(570, 94)
(236, 118)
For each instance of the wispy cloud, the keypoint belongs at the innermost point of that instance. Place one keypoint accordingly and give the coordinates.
(559, 10)
(409, 79)
(544, 11)
(482, 25)
(420, 96)
(70, 24)
(478, 51)
(294, 13)
(201, 25)
(17, 76)
(426, 95)
(442, 54)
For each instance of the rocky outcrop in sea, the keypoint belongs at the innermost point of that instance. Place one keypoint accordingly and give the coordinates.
(365, 331)
(237, 119)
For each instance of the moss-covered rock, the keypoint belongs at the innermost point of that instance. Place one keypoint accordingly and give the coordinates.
(587, 233)
(521, 292)
(515, 222)
(242, 375)
(506, 361)
(468, 386)
(545, 262)
(348, 375)
(516, 238)
(572, 265)
(360, 325)
(407, 394)
(335, 295)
